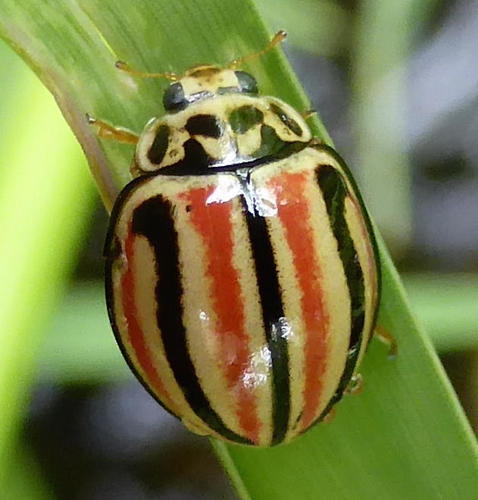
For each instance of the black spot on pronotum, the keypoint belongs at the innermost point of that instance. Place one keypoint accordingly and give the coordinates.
(160, 145)
(289, 122)
(207, 125)
(271, 143)
(244, 118)
(195, 157)
(154, 219)
(195, 161)
(174, 98)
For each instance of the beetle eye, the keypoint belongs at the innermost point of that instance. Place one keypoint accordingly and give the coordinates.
(247, 83)
(174, 99)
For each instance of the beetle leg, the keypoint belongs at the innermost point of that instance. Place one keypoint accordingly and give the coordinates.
(107, 131)
(330, 416)
(388, 339)
(315, 141)
(355, 385)
(308, 113)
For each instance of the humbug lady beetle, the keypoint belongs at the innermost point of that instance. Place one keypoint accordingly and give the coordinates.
(242, 276)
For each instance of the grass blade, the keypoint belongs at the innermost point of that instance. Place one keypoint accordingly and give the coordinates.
(405, 436)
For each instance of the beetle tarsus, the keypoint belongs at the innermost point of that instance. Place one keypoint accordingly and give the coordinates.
(355, 386)
(126, 68)
(279, 37)
(308, 113)
(107, 131)
(330, 416)
(388, 339)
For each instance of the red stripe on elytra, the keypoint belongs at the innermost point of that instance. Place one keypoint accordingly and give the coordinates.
(135, 333)
(213, 223)
(293, 209)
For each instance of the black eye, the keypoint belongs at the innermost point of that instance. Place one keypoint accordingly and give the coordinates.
(173, 98)
(247, 83)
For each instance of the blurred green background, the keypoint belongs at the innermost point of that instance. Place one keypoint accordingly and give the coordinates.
(396, 84)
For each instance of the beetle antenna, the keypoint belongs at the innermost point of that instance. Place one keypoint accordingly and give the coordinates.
(127, 69)
(276, 40)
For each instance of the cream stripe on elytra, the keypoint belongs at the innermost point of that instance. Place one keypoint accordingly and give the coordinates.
(156, 219)
(257, 375)
(336, 293)
(355, 217)
(361, 237)
(198, 313)
(145, 279)
(147, 318)
(269, 193)
(201, 317)
(128, 307)
(367, 261)
(154, 335)
(332, 281)
(290, 294)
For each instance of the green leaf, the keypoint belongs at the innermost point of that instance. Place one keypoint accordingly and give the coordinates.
(24, 478)
(447, 306)
(379, 110)
(79, 346)
(405, 436)
(45, 199)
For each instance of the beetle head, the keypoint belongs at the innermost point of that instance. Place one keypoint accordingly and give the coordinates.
(206, 81)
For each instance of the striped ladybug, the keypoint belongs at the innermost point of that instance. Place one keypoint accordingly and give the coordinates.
(242, 275)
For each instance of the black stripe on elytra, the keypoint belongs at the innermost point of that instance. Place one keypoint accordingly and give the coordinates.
(206, 125)
(154, 219)
(334, 191)
(112, 252)
(274, 319)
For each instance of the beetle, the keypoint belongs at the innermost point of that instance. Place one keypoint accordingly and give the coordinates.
(242, 273)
